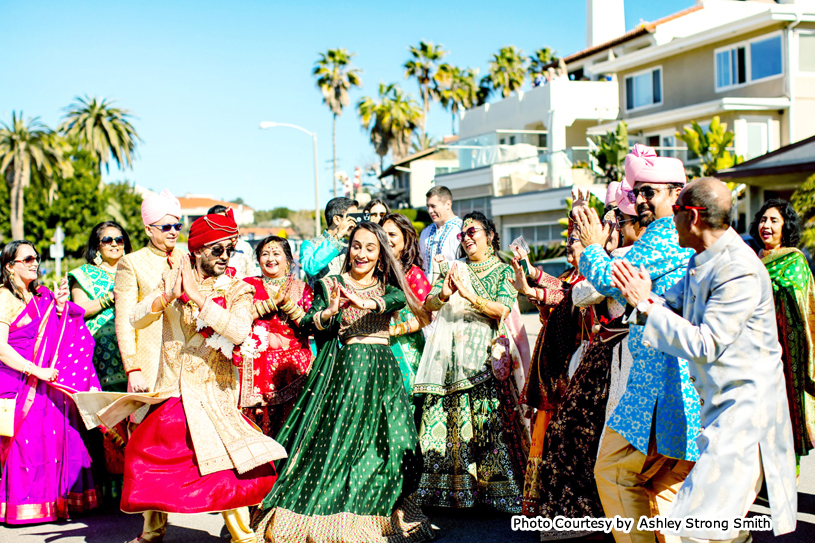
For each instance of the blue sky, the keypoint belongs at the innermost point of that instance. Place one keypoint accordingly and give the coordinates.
(201, 76)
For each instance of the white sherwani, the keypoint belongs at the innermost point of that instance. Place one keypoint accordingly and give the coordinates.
(728, 333)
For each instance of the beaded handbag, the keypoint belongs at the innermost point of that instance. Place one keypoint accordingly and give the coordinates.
(7, 407)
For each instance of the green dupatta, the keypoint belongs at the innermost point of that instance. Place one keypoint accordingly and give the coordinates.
(794, 293)
(96, 282)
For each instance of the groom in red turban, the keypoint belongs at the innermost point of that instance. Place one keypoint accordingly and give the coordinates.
(195, 452)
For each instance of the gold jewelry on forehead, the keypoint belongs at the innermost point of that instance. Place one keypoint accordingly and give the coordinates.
(468, 223)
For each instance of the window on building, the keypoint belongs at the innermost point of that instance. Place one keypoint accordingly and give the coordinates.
(542, 141)
(465, 205)
(806, 52)
(746, 62)
(643, 89)
(535, 235)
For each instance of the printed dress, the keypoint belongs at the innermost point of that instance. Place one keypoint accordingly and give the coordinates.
(275, 359)
(96, 283)
(794, 295)
(473, 433)
(407, 348)
(354, 456)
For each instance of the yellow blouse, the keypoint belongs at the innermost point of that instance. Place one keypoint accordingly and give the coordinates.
(10, 306)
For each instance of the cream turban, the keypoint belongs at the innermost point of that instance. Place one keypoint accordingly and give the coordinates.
(156, 206)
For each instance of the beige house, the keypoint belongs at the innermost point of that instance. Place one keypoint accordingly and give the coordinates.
(752, 63)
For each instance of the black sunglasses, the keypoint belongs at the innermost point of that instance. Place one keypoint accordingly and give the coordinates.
(647, 193)
(218, 250)
(30, 259)
(167, 227)
(107, 240)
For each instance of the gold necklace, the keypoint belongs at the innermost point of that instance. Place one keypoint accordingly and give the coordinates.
(484, 265)
(111, 274)
(359, 285)
(274, 282)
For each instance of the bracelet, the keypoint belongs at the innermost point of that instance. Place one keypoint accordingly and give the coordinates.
(163, 300)
(480, 304)
(435, 303)
(288, 306)
(26, 369)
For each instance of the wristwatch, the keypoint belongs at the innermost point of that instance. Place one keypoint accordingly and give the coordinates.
(644, 306)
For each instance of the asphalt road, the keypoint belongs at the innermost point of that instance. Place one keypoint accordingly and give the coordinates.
(455, 526)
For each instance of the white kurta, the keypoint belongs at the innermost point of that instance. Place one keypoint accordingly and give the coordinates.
(728, 333)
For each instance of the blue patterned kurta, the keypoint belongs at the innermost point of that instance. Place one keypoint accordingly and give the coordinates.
(322, 256)
(656, 381)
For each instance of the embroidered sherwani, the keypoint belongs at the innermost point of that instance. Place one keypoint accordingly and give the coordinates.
(728, 331)
(659, 391)
(137, 275)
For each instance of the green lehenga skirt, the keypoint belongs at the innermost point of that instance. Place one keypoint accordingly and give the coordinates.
(354, 456)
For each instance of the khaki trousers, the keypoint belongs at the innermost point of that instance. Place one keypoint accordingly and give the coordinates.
(236, 520)
(635, 485)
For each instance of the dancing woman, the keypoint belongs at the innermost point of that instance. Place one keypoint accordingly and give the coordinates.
(777, 227)
(275, 359)
(407, 339)
(473, 433)
(353, 450)
(45, 465)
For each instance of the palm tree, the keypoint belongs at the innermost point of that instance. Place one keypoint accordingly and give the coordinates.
(507, 71)
(103, 130)
(539, 60)
(335, 76)
(423, 68)
(391, 120)
(27, 146)
(457, 89)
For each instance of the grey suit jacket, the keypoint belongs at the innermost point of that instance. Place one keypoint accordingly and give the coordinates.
(727, 331)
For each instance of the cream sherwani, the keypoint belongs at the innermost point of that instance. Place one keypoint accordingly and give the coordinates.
(137, 275)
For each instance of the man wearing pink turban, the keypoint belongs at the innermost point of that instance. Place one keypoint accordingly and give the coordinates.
(649, 441)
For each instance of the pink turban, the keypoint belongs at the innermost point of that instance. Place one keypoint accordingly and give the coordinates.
(611, 191)
(625, 199)
(643, 164)
(156, 206)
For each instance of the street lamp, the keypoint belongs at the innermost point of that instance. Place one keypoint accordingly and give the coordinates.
(267, 124)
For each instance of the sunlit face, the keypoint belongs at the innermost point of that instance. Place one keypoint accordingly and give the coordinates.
(215, 258)
(474, 240)
(629, 229)
(771, 228)
(25, 265)
(273, 261)
(377, 213)
(439, 211)
(363, 252)
(573, 251)
(163, 240)
(395, 238)
(658, 205)
(111, 244)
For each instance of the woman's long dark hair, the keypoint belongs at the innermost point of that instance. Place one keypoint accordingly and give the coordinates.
(8, 255)
(388, 269)
(790, 231)
(489, 228)
(411, 254)
(95, 239)
(284, 244)
(370, 205)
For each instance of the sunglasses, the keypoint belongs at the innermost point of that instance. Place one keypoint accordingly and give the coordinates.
(167, 227)
(623, 222)
(29, 260)
(647, 193)
(678, 208)
(218, 250)
(469, 233)
(107, 240)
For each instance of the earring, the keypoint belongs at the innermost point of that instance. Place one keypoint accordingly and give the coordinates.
(490, 251)
(97, 259)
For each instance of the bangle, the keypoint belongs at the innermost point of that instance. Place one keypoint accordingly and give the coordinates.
(435, 303)
(480, 304)
(163, 300)
(26, 369)
(131, 370)
(288, 306)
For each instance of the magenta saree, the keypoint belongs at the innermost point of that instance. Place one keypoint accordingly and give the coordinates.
(45, 465)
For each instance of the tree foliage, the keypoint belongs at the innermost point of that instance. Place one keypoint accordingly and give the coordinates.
(423, 66)
(611, 151)
(541, 58)
(102, 130)
(390, 120)
(710, 146)
(507, 71)
(457, 89)
(803, 200)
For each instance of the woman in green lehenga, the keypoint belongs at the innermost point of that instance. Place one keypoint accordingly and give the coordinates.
(474, 433)
(777, 227)
(92, 289)
(354, 457)
(407, 339)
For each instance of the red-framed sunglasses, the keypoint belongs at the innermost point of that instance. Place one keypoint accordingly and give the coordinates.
(678, 208)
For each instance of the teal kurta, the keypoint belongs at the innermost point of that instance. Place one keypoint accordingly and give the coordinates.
(353, 449)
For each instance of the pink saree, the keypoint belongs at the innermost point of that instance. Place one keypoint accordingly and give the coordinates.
(45, 465)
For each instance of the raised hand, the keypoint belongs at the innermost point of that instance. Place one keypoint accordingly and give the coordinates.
(333, 300)
(61, 293)
(634, 284)
(520, 278)
(189, 285)
(351, 298)
(448, 288)
(589, 228)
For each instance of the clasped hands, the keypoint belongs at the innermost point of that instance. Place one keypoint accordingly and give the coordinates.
(452, 284)
(341, 297)
(185, 283)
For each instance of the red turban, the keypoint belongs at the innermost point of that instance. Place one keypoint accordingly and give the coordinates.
(211, 229)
